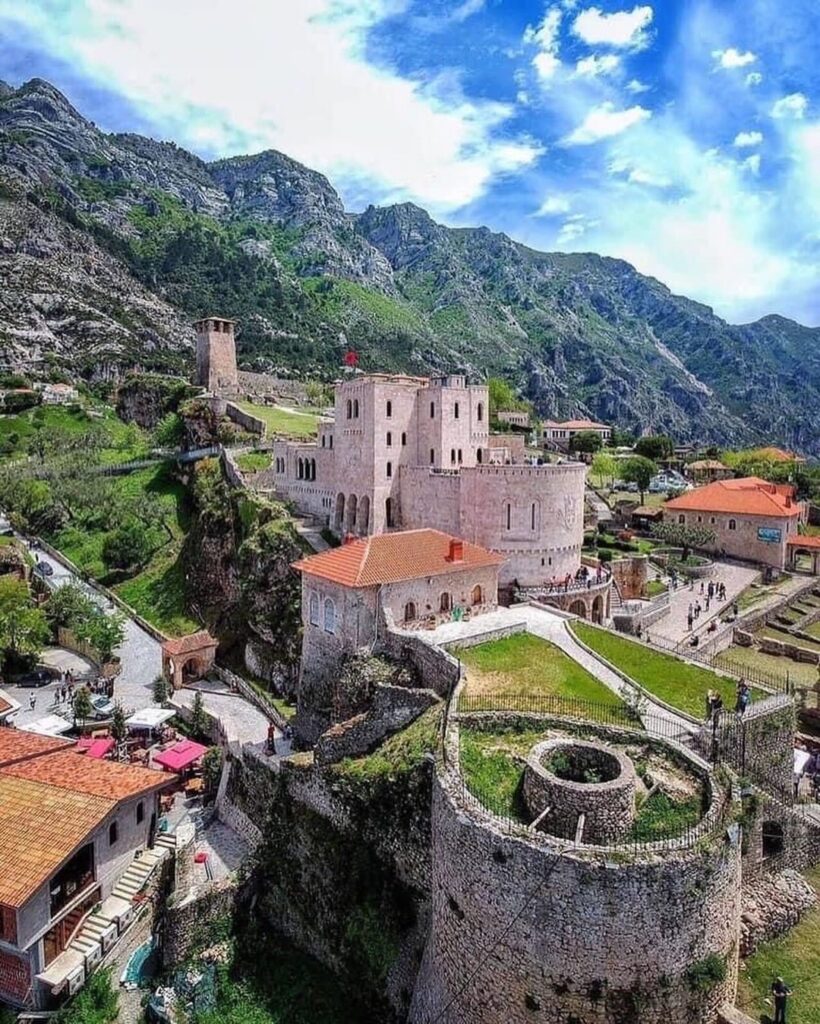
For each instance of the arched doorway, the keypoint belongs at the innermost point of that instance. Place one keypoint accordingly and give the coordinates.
(352, 509)
(446, 602)
(410, 612)
(773, 839)
(364, 514)
(578, 608)
(388, 513)
(340, 512)
(598, 610)
(476, 597)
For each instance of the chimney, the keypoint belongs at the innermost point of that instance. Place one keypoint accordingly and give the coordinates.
(349, 538)
(456, 550)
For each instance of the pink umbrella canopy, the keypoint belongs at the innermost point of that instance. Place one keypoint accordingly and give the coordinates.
(96, 748)
(180, 756)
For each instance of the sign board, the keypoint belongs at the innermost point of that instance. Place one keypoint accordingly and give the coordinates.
(768, 534)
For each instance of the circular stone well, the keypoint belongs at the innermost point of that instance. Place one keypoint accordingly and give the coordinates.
(575, 777)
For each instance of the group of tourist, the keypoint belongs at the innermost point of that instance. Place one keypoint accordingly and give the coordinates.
(584, 577)
(714, 700)
(714, 591)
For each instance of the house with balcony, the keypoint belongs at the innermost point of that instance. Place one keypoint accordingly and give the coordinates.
(76, 837)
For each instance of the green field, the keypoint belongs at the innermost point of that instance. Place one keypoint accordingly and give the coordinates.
(796, 958)
(738, 657)
(676, 682)
(526, 664)
(18, 431)
(253, 462)
(157, 591)
(787, 638)
(283, 422)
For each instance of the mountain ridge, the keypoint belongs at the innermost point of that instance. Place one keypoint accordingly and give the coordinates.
(111, 243)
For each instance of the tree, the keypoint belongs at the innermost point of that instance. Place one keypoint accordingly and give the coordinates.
(639, 470)
(169, 432)
(621, 438)
(211, 769)
(24, 629)
(68, 606)
(655, 447)
(103, 632)
(81, 705)
(199, 716)
(129, 546)
(119, 730)
(604, 466)
(161, 689)
(679, 535)
(585, 441)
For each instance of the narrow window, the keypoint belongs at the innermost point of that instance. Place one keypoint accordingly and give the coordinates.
(509, 515)
(409, 611)
(389, 470)
(314, 610)
(389, 439)
(404, 440)
(389, 409)
(732, 524)
(460, 459)
(113, 833)
(480, 412)
(355, 408)
(478, 456)
(532, 516)
(432, 410)
(455, 411)
(446, 602)
(330, 616)
(452, 456)
(349, 409)
(324, 440)
(331, 440)
(388, 512)
(432, 456)
(140, 812)
(682, 520)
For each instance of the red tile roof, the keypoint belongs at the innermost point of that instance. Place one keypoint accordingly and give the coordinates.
(795, 540)
(187, 644)
(577, 424)
(391, 557)
(749, 496)
(51, 800)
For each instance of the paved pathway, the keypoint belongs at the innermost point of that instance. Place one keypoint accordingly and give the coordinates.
(241, 721)
(674, 626)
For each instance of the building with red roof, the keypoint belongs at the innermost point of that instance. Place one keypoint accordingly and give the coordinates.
(557, 434)
(70, 826)
(751, 518)
(413, 579)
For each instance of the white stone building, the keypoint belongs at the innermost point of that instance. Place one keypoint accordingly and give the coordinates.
(406, 453)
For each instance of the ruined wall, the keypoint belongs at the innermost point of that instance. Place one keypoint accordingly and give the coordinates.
(521, 935)
(630, 575)
(188, 922)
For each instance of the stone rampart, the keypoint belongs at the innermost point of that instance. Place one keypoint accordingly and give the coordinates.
(245, 420)
(267, 386)
(437, 670)
(772, 904)
(188, 921)
(630, 575)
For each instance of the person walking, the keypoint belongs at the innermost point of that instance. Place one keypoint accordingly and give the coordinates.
(780, 994)
(689, 621)
(32, 702)
(744, 696)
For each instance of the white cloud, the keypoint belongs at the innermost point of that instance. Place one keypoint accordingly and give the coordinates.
(623, 28)
(604, 121)
(792, 106)
(636, 87)
(467, 9)
(300, 81)
(545, 37)
(733, 58)
(752, 163)
(552, 206)
(573, 227)
(746, 139)
(593, 66)
(754, 78)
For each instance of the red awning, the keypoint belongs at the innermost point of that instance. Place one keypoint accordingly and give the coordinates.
(181, 755)
(96, 748)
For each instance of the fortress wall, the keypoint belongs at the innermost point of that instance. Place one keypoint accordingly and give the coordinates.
(522, 936)
(430, 500)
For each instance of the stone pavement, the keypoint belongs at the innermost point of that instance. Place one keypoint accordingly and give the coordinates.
(225, 849)
(241, 721)
(674, 626)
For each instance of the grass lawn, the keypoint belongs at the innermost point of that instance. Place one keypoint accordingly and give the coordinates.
(780, 634)
(526, 664)
(678, 683)
(253, 462)
(756, 592)
(283, 422)
(655, 587)
(127, 441)
(798, 671)
(157, 591)
(796, 958)
(649, 500)
(813, 630)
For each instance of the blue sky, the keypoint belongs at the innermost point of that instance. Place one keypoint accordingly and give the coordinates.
(681, 135)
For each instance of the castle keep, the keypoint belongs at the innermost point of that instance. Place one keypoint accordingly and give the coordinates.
(216, 356)
(405, 453)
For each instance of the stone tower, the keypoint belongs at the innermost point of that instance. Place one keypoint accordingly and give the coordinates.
(216, 356)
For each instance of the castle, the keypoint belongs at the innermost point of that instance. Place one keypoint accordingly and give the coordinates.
(407, 453)
(216, 356)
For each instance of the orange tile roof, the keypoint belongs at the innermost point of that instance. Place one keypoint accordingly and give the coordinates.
(749, 496)
(40, 827)
(391, 557)
(51, 798)
(795, 540)
(578, 424)
(192, 642)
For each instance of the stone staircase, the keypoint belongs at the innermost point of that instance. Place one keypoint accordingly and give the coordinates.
(99, 931)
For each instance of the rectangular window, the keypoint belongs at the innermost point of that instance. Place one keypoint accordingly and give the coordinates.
(389, 439)
(455, 411)
(432, 410)
(404, 440)
(432, 456)
(140, 812)
(389, 469)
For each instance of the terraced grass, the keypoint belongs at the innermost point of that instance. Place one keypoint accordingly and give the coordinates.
(526, 664)
(773, 633)
(284, 422)
(796, 958)
(678, 683)
(798, 672)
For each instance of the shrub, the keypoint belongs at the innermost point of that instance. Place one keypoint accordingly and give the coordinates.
(605, 555)
(705, 974)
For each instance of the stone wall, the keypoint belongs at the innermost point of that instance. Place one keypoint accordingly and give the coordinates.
(771, 905)
(630, 576)
(527, 931)
(760, 745)
(437, 670)
(245, 420)
(266, 386)
(188, 921)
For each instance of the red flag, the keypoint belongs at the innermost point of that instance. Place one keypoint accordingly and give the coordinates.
(351, 358)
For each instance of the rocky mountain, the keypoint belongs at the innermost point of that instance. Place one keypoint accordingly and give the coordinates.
(111, 244)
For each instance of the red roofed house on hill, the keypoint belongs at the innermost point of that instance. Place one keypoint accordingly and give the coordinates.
(750, 517)
(351, 593)
(70, 830)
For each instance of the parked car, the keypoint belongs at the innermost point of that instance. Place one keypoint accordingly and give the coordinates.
(44, 569)
(101, 707)
(5, 527)
(42, 675)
